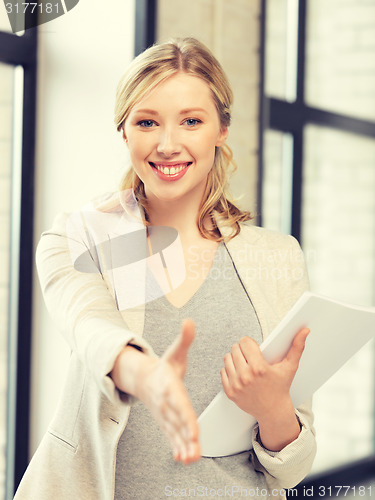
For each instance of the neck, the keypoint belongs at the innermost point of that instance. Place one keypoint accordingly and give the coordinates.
(182, 214)
(182, 217)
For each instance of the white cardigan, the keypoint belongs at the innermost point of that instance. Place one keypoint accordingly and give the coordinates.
(76, 458)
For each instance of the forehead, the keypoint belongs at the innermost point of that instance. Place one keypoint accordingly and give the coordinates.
(182, 90)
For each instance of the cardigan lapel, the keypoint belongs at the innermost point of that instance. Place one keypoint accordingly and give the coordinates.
(249, 256)
(251, 260)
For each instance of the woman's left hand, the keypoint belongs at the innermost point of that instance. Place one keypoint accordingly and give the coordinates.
(262, 389)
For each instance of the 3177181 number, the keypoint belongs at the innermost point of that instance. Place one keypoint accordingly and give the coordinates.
(32, 7)
(360, 491)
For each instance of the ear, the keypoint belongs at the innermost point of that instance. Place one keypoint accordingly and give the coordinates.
(222, 137)
(123, 135)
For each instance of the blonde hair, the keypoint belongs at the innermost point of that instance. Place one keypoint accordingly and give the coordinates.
(150, 68)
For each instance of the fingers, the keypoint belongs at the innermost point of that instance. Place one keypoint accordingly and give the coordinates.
(234, 365)
(225, 381)
(253, 356)
(255, 385)
(177, 417)
(188, 330)
(238, 358)
(170, 405)
(182, 432)
(177, 353)
(187, 336)
(295, 352)
(247, 349)
(241, 366)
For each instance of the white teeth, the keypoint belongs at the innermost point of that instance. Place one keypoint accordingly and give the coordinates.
(171, 170)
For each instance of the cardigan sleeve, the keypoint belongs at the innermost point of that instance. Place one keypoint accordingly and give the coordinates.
(288, 467)
(83, 307)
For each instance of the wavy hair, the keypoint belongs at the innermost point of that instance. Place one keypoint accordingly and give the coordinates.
(150, 68)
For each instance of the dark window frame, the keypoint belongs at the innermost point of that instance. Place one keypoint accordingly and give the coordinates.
(21, 51)
(145, 25)
(292, 117)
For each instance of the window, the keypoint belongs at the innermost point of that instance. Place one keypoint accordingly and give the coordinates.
(317, 181)
(17, 129)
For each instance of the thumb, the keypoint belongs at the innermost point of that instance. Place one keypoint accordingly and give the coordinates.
(177, 352)
(295, 352)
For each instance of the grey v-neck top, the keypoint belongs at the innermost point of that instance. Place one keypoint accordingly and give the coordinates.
(223, 313)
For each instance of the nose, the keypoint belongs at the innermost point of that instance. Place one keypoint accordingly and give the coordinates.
(169, 143)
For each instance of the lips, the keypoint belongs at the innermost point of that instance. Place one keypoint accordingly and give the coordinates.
(170, 171)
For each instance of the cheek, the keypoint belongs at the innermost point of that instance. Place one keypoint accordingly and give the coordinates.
(205, 147)
(137, 146)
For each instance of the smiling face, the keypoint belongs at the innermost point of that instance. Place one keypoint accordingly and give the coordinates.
(171, 135)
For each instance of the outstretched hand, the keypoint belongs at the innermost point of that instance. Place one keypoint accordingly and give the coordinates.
(158, 383)
(163, 391)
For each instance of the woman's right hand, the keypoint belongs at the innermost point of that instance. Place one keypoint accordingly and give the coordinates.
(158, 383)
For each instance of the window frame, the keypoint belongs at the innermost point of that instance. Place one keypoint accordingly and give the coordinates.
(21, 51)
(292, 117)
(145, 25)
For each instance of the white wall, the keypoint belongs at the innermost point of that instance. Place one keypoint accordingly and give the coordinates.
(79, 153)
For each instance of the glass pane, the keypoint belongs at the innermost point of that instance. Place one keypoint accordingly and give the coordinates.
(6, 126)
(338, 236)
(340, 56)
(277, 181)
(281, 49)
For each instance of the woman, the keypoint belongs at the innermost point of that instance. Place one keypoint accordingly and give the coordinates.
(167, 267)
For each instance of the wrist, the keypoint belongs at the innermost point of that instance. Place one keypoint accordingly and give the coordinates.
(279, 428)
(129, 370)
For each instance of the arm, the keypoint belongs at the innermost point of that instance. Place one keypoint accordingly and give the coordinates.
(83, 308)
(262, 390)
(158, 383)
(289, 466)
(284, 438)
(85, 311)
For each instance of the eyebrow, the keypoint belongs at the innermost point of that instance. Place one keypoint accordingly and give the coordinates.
(190, 110)
(182, 112)
(148, 111)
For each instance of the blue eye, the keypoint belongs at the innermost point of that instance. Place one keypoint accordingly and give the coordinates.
(191, 122)
(146, 123)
